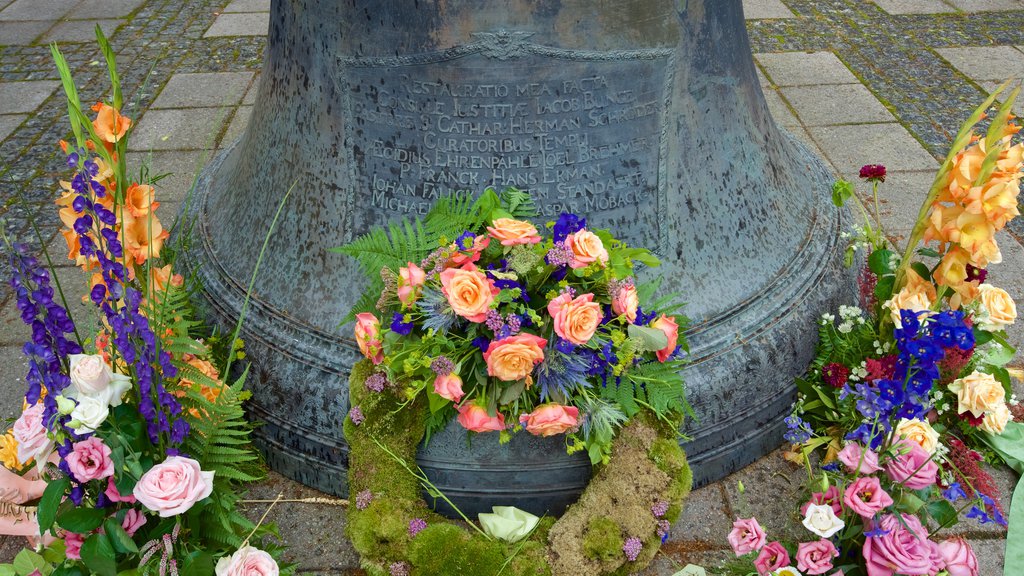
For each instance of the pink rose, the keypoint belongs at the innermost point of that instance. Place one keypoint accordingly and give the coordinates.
(31, 435)
(513, 358)
(410, 279)
(73, 545)
(830, 497)
(90, 460)
(859, 460)
(866, 497)
(475, 419)
(904, 548)
(586, 249)
(114, 496)
(815, 557)
(368, 337)
(667, 324)
(746, 536)
(449, 386)
(911, 465)
(471, 254)
(626, 302)
(575, 319)
(173, 486)
(511, 232)
(958, 557)
(247, 561)
(133, 520)
(550, 419)
(469, 292)
(772, 557)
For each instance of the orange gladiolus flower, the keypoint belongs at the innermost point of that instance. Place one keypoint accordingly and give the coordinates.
(109, 124)
(143, 237)
(138, 200)
(952, 271)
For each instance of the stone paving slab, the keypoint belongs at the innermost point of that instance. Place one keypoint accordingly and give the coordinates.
(37, 9)
(106, 8)
(203, 89)
(80, 30)
(248, 6)
(987, 5)
(853, 146)
(8, 122)
(179, 129)
(914, 6)
(827, 105)
(24, 96)
(22, 32)
(805, 69)
(760, 9)
(993, 63)
(243, 24)
(179, 169)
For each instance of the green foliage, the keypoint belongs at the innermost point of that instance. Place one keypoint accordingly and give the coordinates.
(603, 539)
(447, 550)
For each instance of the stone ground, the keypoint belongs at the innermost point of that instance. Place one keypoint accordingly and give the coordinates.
(887, 81)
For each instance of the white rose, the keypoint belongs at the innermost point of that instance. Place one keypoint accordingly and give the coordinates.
(93, 378)
(822, 520)
(919, 432)
(89, 415)
(998, 308)
(996, 419)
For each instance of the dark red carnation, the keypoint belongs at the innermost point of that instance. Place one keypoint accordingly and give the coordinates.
(835, 374)
(873, 172)
(975, 273)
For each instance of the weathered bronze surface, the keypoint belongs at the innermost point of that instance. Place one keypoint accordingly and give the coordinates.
(644, 115)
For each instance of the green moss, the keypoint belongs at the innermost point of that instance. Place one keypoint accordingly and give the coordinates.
(602, 540)
(382, 529)
(447, 550)
(670, 459)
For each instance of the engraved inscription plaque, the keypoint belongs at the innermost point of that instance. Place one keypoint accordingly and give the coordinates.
(583, 132)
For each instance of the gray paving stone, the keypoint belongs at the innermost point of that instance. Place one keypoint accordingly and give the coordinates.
(805, 68)
(203, 90)
(8, 123)
(990, 555)
(779, 109)
(179, 167)
(13, 367)
(830, 104)
(1018, 106)
(914, 6)
(25, 96)
(899, 198)
(106, 8)
(80, 30)
(179, 129)
(37, 9)
(770, 475)
(987, 5)
(250, 95)
(1009, 275)
(248, 6)
(237, 126)
(980, 63)
(243, 24)
(850, 147)
(21, 33)
(801, 134)
(759, 9)
(704, 519)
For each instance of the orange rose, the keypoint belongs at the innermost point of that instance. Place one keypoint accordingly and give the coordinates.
(469, 292)
(626, 302)
(511, 232)
(513, 358)
(586, 248)
(368, 337)
(109, 125)
(475, 419)
(550, 419)
(667, 324)
(577, 319)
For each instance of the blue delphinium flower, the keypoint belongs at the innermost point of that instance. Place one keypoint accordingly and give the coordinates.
(399, 325)
(797, 431)
(567, 224)
(954, 492)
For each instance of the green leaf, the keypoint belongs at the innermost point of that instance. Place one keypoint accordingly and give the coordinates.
(198, 564)
(512, 392)
(841, 192)
(98, 555)
(67, 571)
(28, 561)
(119, 538)
(650, 339)
(8, 570)
(921, 270)
(942, 511)
(51, 499)
(81, 520)
(883, 290)
(879, 262)
(910, 502)
(928, 253)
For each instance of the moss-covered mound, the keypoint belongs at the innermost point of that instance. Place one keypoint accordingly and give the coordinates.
(647, 470)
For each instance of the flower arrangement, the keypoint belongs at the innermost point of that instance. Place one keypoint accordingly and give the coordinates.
(903, 400)
(131, 441)
(479, 316)
(506, 329)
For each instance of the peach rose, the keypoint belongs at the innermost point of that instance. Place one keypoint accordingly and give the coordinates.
(511, 232)
(626, 302)
(109, 125)
(996, 419)
(410, 279)
(667, 324)
(449, 386)
(513, 358)
(917, 295)
(368, 337)
(173, 486)
(586, 248)
(550, 419)
(575, 319)
(247, 561)
(475, 419)
(919, 432)
(1000, 310)
(978, 393)
(469, 292)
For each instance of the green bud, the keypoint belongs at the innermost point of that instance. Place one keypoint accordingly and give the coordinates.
(65, 405)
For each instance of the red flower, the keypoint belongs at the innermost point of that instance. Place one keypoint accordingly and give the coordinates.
(835, 374)
(873, 172)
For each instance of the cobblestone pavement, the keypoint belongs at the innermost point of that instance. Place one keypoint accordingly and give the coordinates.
(862, 82)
